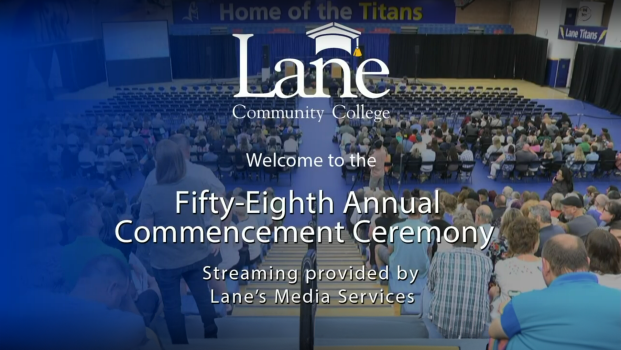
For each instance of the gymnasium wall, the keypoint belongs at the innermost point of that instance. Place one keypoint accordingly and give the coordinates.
(551, 14)
(614, 26)
(485, 11)
(52, 21)
(524, 16)
(607, 11)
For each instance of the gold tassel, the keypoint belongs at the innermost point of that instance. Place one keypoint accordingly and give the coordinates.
(357, 52)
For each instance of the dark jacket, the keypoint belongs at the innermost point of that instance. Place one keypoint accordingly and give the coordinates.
(559, 187)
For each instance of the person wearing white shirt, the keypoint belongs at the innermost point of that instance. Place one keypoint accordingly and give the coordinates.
(427, 137)
(505, 149)
(274, 136)
(87, 159)
(419, 145)
(427, 155)
(364, 148)
(495, 122)
(347, 139)
(200, 123)
(117, 156)
(520, 273)
(466, 156)
(291, 145)
(500, 136)
(86, 155)
(242, 136)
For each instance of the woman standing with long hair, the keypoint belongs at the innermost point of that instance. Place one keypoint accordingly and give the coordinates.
(173, 261)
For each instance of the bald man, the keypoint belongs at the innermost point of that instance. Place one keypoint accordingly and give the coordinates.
(556, 317)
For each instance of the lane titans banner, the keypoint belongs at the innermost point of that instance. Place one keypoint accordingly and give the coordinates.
(343, 11)
(591, 35)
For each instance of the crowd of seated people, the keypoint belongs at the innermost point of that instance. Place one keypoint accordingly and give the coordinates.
(468, 286)
(106, 148)
(541, 145)
(88, 289)
(230, 146)
(418, 148)
(80, 228)
(78, 244)
(414, 148)
(82, 244)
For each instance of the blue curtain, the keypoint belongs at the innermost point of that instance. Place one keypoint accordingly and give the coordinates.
(204, 56)
(375, 46)
(300, 47)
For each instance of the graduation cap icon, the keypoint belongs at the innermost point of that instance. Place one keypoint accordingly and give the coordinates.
(335, 36)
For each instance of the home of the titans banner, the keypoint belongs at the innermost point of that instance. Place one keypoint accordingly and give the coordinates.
(273, 11)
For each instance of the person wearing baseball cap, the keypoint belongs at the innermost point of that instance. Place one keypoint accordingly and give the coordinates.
(578, 224)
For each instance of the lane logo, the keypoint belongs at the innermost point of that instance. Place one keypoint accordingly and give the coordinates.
(335, 36)
(329, 36)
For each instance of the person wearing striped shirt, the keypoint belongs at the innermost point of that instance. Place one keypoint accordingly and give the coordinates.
(466, 156)
(458, 282)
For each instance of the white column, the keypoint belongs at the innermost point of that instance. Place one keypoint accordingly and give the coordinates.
(551, 16)
(613, 38)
